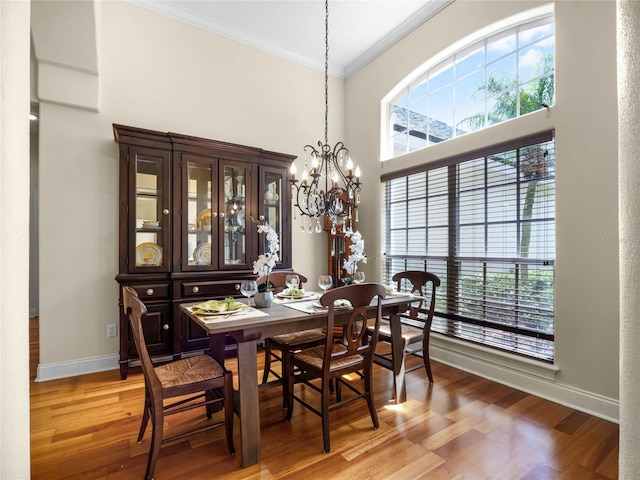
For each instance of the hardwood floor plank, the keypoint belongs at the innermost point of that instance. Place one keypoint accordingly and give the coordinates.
(409, 462)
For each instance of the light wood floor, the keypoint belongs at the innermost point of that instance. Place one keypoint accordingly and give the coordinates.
(462, 427)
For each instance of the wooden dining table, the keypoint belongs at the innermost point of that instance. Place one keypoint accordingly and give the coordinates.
(247, 330)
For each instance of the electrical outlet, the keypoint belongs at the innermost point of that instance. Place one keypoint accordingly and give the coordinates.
(112, 330)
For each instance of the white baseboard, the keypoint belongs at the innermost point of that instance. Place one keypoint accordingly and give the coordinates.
(73, 368)
(535, 378)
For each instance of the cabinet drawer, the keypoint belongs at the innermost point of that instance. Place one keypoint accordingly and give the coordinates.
(228, 288)
(152, 291)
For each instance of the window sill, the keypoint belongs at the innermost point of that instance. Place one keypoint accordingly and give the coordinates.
(487, 361)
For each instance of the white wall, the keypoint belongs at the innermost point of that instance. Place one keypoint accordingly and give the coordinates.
(159, 74)
(585, 120)
(14, 240)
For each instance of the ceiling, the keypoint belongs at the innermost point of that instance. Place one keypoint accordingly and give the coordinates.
(359, 30)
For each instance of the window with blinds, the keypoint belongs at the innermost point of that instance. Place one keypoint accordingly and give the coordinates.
(484, 222)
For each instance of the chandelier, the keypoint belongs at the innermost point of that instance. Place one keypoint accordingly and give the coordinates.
(332, 188)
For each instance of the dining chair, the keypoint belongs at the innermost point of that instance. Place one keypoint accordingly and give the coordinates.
(415, 323)
(201, 379)
(279, 348)
(339, 356)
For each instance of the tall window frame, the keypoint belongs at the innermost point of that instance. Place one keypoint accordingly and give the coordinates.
(491, 77)
(484, 222)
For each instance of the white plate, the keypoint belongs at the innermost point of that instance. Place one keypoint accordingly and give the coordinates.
(240, 218)
(295, 297)
(338, 305)
(202, 254)
(148, 255)
(398, 294)
(210, 307)
(217, 314)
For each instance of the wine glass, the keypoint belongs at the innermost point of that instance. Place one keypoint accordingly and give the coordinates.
(248, 288)
(358, 277)
(325, 282)
(292, 281)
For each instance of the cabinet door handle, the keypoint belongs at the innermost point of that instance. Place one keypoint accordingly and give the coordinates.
(237, 286)
(165, 326)
(165, 211)
(214, 214)
(195, 289)
(150, 291)
(221, 214)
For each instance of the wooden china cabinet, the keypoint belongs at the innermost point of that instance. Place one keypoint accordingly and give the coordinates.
(186, 233)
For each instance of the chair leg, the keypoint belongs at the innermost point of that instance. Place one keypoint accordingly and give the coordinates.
(228, 411)
(426, 359)
(289, 380)
(145, 415)
(267, 360)
(286, 369)
(325, 414)
(369, 396)
(157, 426)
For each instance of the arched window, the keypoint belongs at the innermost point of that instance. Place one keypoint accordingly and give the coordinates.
(501, 75)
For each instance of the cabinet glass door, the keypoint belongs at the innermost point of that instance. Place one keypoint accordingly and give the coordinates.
(273, 196)
(201, 214)
(150, 216)
(233, 237)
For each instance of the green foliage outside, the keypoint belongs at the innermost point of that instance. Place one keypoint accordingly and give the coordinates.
(537, 95)
(499, 290)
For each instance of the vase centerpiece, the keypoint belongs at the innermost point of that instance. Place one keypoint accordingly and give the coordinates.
(357, 255)
(265, 263)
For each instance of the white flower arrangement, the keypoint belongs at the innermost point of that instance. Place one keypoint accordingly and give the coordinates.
(357, 253)
(267, 261)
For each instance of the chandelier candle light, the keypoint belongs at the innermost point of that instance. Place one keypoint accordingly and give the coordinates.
(327, 190)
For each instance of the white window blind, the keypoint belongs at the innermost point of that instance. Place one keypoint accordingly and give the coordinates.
(484, 222)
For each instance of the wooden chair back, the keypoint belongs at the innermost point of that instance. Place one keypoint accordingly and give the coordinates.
(423, 284)
(354, 330)
(277, 279)
(136, 311)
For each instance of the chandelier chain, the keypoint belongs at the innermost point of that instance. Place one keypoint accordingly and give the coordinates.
(326, 72)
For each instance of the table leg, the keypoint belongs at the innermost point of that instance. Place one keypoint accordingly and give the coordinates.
(249, 412)
(397, 350)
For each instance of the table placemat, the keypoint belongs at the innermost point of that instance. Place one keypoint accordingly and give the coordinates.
(245, 313)
(304, 306)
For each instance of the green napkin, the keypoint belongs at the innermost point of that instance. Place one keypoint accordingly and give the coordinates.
(218, 306)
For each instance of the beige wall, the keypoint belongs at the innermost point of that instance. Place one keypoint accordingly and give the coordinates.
(585, 120)
(159, 74)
